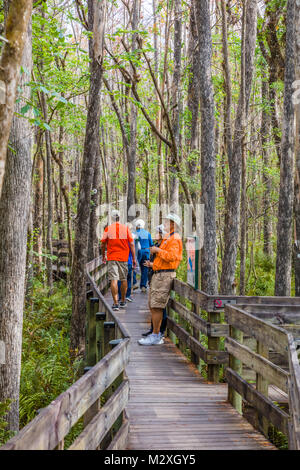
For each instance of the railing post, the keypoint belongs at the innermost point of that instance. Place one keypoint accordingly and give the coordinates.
(118, 423)
(109, 334)
(213, 370)
(93, 410)
(89, 295)
(100, 319)
(194, 357)
(235, 364)
(263, 387)
(93, 307)
(170, 312)
(108, 329)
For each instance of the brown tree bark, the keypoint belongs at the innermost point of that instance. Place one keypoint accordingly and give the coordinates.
(14, 211)
(16, 26)
(97, 15)
(265, 133)
(209, 279)
(176, 105)
(131, 157)
(193, 100)
(297, 156)
(38, 205)
(286, 191)
(232, 211)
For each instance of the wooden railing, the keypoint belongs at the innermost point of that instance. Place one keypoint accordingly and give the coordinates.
(257, 352)
(197, 322)
(99, 397)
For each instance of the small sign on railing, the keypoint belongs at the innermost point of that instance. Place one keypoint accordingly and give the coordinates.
(220, 303)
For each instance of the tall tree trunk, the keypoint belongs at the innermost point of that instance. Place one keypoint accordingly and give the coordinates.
(131, 157)
(18, 17)
(285, 206)
(232, 211)
(176, 102)
(14, 210)
(93, 247)
(97, 14)
(193, 99)
(297, 156)
(38, 205)
(265, 136)
(209, 280)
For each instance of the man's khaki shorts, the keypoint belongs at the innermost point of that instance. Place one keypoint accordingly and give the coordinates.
(117, 270)
(160, 288)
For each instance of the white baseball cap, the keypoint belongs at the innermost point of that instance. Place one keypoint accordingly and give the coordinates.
(140, 223)
(115, 214)
(175, 218)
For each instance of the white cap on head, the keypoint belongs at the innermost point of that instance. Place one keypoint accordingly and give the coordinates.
(115, 214)
(140, 223)
(175, 218)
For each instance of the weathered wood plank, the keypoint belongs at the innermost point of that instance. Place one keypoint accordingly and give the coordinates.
(195, 296)
(99, 426)
(262, 404)
(265, 367)
(120, 440)
(209, 356)
(195, 320)
(270, 335)
(294, 394)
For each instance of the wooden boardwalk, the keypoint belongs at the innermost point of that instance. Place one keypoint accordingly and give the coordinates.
(170, 405)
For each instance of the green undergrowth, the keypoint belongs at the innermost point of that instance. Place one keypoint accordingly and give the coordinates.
(47, 369)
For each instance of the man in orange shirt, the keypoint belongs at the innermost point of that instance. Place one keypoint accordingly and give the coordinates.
(118, 240)
(167, 260)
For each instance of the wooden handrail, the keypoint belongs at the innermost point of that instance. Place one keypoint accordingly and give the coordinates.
(49, 428)
(54, 422)
(267, 336)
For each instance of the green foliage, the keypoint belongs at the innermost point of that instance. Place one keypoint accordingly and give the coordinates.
(47, 369)
(5, 434)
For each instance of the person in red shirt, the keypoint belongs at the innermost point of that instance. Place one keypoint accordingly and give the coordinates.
(118, 241)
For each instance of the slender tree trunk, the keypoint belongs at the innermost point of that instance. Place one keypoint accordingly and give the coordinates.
(131, 158)
(18, 17)
(265, 133)
(286, 192)
(97, 14)
(193, 100)
(297, 156)
(93, 247)
(14, 211)
(38, 205)
(209, 280)
(232, 211)
(176, 102)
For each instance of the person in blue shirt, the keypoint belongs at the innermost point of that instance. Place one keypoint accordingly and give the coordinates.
(145, 241)
(129, 276)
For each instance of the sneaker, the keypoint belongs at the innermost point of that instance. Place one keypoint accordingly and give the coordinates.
(122, 304)
(161, 338)
(147, 333)
(129, 299)
(143, 289)
(135, 287)
(151, 340)
(115, 307)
